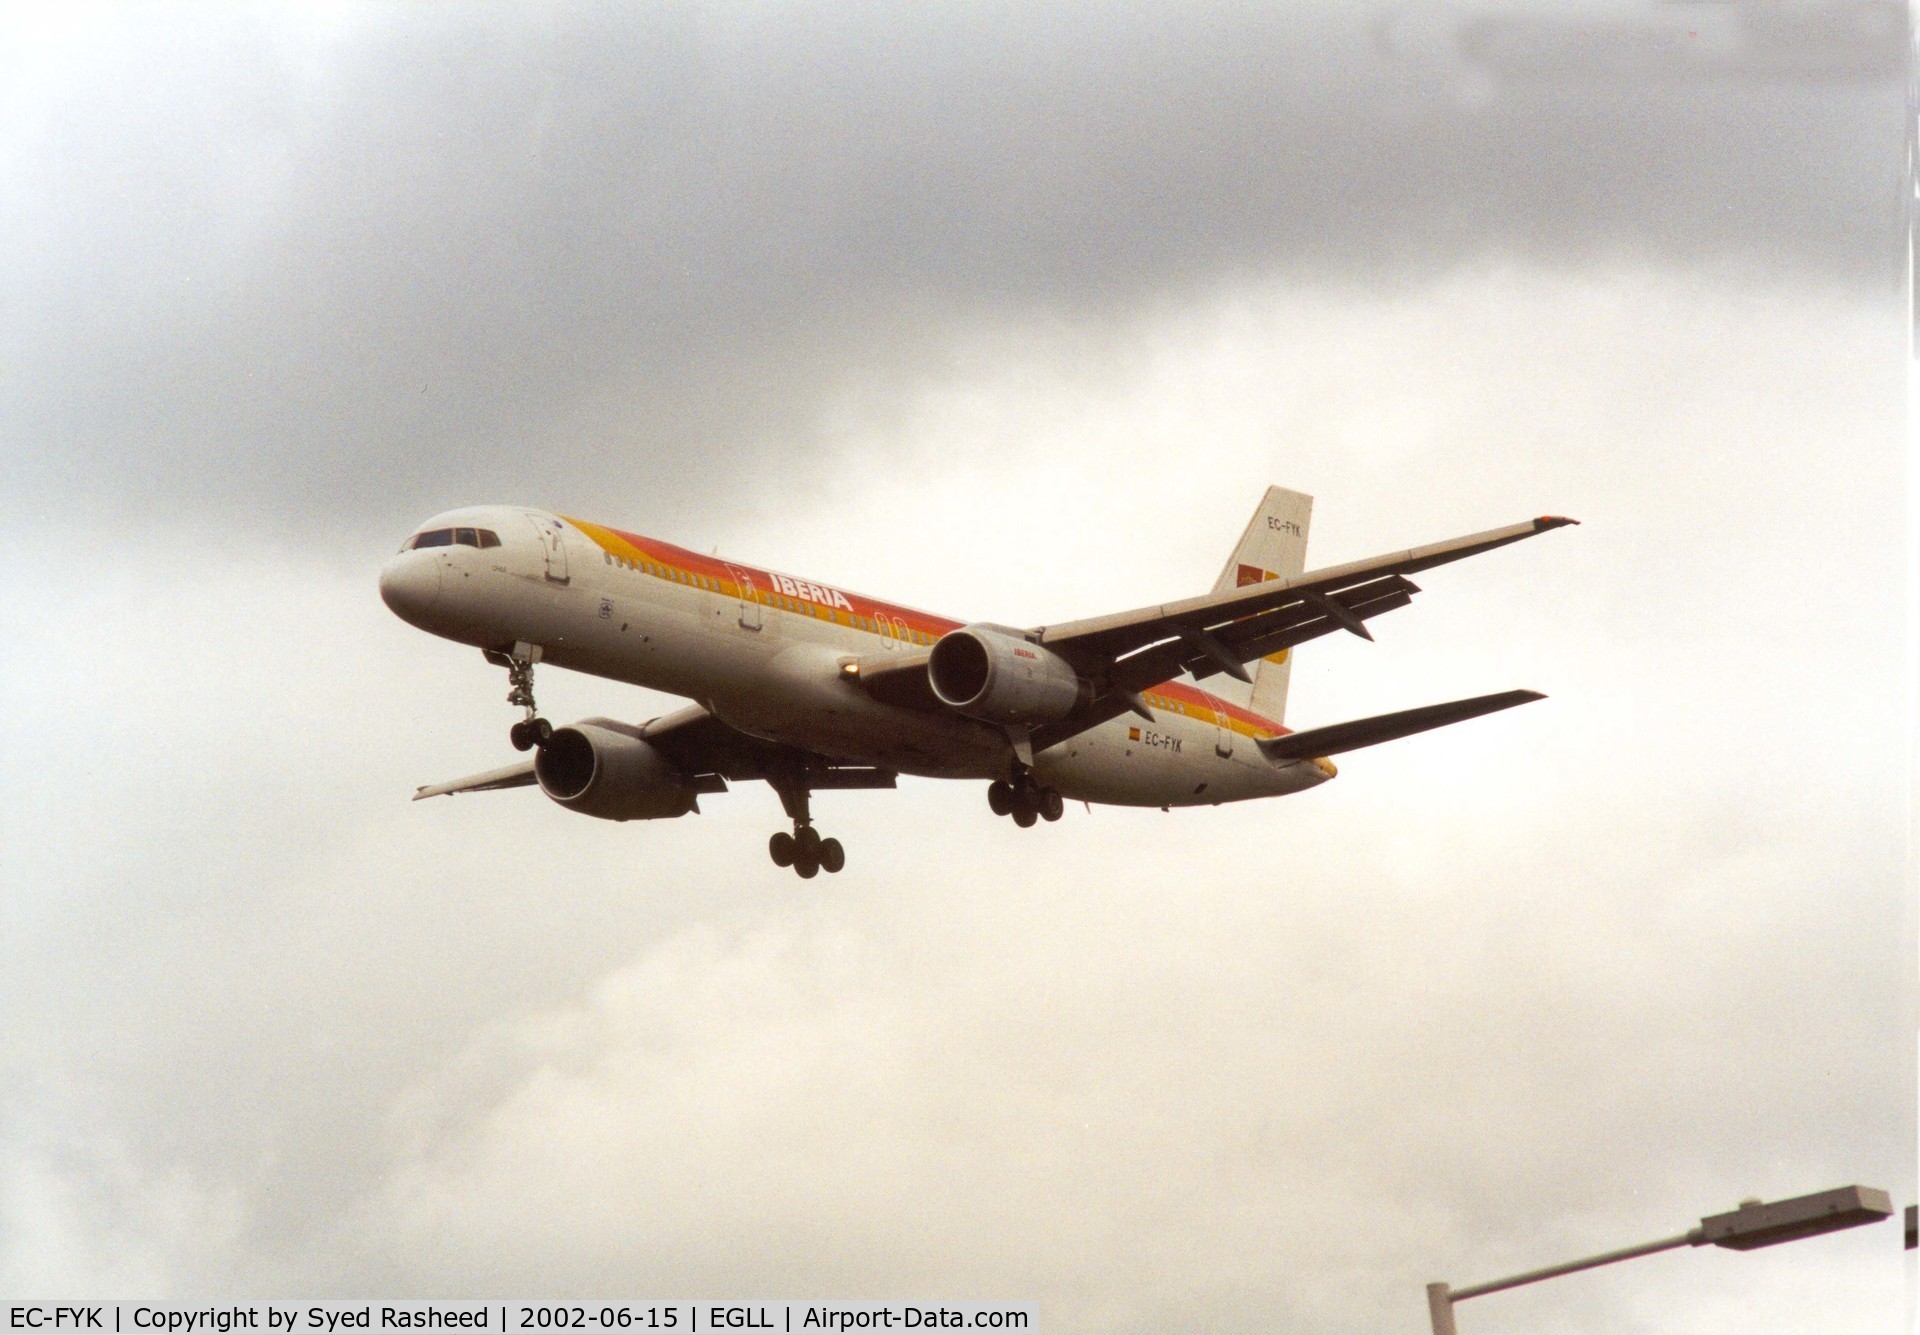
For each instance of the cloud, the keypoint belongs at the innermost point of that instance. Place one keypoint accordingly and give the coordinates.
(1542, 985)
(276, 271)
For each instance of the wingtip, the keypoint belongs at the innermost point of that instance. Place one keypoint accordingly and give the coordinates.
(1553, 521)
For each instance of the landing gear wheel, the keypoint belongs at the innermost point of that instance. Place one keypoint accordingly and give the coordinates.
(1023, 813)
(532, 730)
(832, 856)
(808, 865)
(781, 849)
(529, 733)
(1000, 797)
(1050, 804)
(806, 841)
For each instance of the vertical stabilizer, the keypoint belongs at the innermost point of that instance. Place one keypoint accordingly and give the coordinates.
(1273, 547)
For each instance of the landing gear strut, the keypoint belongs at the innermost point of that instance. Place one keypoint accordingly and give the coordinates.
(803, 850)
(1024, 800)
(532, 730)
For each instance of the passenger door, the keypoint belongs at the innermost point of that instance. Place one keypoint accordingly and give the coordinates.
(553, 545)
(749, 598)
(1223, 728)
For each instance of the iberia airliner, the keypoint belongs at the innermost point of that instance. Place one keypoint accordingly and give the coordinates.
(811, 687)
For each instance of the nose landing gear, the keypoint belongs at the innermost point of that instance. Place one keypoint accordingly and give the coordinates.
(529, 733)
(532, 730)
(1024, 800)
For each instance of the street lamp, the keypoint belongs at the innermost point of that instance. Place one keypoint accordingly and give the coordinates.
(1753, 1225)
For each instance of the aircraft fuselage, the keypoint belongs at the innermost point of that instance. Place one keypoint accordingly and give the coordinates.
(767, 653)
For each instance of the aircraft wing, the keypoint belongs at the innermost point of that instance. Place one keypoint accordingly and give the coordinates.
(705, 747)
(1258, 619)
(1124, 653)
(899, 679)
(714, 751)
(510, 776)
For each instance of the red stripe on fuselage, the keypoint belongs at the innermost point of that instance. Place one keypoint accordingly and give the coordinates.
(926, 623)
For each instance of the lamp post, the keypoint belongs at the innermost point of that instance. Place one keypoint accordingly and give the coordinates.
(1754, 1224)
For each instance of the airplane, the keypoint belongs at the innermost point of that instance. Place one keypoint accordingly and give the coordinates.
(809, 687)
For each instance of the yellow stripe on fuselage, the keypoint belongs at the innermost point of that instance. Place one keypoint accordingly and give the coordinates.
(663, 560)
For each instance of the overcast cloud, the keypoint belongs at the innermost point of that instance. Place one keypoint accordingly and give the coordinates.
(288, 266)
(1012, 313)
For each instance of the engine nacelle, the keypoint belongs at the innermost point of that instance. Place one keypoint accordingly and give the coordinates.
(602, 768)
(987, 672)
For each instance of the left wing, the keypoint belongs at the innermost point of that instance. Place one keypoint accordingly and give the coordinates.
(706, 748)
(510, 776)
(698, 742)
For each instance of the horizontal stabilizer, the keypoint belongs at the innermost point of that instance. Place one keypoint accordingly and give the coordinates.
(1338, 737)
(512, 776)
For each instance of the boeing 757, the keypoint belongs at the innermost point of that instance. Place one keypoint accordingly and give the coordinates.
(809, 687)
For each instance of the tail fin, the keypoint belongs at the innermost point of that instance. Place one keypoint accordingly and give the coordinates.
(1273, 547)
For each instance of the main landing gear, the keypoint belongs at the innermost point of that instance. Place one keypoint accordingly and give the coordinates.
(532, 730)
(806, 852)
(1024, 800)
(803, 850)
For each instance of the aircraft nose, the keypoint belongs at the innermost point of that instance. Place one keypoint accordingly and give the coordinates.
(410, 583)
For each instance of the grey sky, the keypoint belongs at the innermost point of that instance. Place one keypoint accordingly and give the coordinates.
(283, 265)
(1009, 312)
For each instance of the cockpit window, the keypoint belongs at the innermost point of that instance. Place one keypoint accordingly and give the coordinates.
(453, 537)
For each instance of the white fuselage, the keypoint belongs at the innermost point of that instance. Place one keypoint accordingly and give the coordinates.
(765, 652)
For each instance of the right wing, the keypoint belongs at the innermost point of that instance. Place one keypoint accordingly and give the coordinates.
(1260, 619)
(1125, 653)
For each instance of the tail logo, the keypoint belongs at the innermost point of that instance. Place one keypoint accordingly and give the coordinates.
(1255, 575)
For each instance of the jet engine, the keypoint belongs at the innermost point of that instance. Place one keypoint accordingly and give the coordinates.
(601, 768)
(995, 674)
